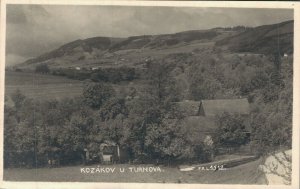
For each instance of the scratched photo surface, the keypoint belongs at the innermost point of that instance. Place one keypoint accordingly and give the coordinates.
(142, 94)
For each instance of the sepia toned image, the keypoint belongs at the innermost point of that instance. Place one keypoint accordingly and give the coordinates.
(115, 93)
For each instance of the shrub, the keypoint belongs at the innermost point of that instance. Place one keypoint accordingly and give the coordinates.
(42, 68)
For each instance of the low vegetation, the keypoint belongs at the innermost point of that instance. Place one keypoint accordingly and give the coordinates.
(113, 75)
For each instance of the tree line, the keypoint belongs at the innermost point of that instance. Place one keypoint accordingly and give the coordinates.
(113, 75)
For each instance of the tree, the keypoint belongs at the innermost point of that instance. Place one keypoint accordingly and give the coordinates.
(231, 130)
(95, 95)
(112, 108)
(78, 134)
(202, 84)
(115, 130)
(149, 111)
(42, 68)
(164, 141)
(18, 98)
(23, 142)
(162, 86)
(201, 88)
(10, 126)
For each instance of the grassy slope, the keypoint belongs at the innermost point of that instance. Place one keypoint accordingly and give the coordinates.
(42, 86)
(244, 174)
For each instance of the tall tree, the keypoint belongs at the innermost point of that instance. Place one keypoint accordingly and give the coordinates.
(95, 95)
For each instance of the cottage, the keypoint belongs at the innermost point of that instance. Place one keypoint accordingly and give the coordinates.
(110, 152)
(200, 116)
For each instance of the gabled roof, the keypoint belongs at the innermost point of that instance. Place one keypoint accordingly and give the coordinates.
(214, 107)
(200, 123)
(109, 149)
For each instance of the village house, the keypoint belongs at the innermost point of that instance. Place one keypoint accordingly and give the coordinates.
(110, 152)
(200, 115)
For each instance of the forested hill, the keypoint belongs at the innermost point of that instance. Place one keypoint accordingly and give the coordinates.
(263, 39)
(105, 51)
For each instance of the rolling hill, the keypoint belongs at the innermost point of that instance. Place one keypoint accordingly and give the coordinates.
(133, 51)
(265, 39)
(106, 51)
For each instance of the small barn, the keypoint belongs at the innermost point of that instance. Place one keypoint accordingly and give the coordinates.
(110, 152)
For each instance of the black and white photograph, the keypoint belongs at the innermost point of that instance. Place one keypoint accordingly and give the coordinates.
(148, 93)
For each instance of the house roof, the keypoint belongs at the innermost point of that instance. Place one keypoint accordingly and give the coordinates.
(214, 107)
(188, 107)
(200, 123)
(109, 149)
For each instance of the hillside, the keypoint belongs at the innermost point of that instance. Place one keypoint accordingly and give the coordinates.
(263, 39)
(69, 49)
(133, 51)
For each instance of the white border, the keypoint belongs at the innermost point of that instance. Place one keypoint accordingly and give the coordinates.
(231, 4)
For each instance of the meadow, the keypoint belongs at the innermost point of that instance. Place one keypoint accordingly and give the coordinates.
(42, 86)
(47, 87)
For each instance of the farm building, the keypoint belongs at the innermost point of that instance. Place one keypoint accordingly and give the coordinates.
(200, 115)
(111, 152)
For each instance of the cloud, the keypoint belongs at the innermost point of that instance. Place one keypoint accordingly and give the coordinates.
(34, 29)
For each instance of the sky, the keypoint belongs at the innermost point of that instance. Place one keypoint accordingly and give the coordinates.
(32, 30)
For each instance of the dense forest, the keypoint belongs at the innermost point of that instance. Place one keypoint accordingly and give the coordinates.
(146, 121)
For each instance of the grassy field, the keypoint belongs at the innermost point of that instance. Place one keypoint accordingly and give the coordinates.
(244, 174)
(42, 86)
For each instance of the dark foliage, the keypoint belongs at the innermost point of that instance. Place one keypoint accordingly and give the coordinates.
(42, 68)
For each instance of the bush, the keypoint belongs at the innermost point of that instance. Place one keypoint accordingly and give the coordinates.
(42, 68)
(231, 130)
(95, 95)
